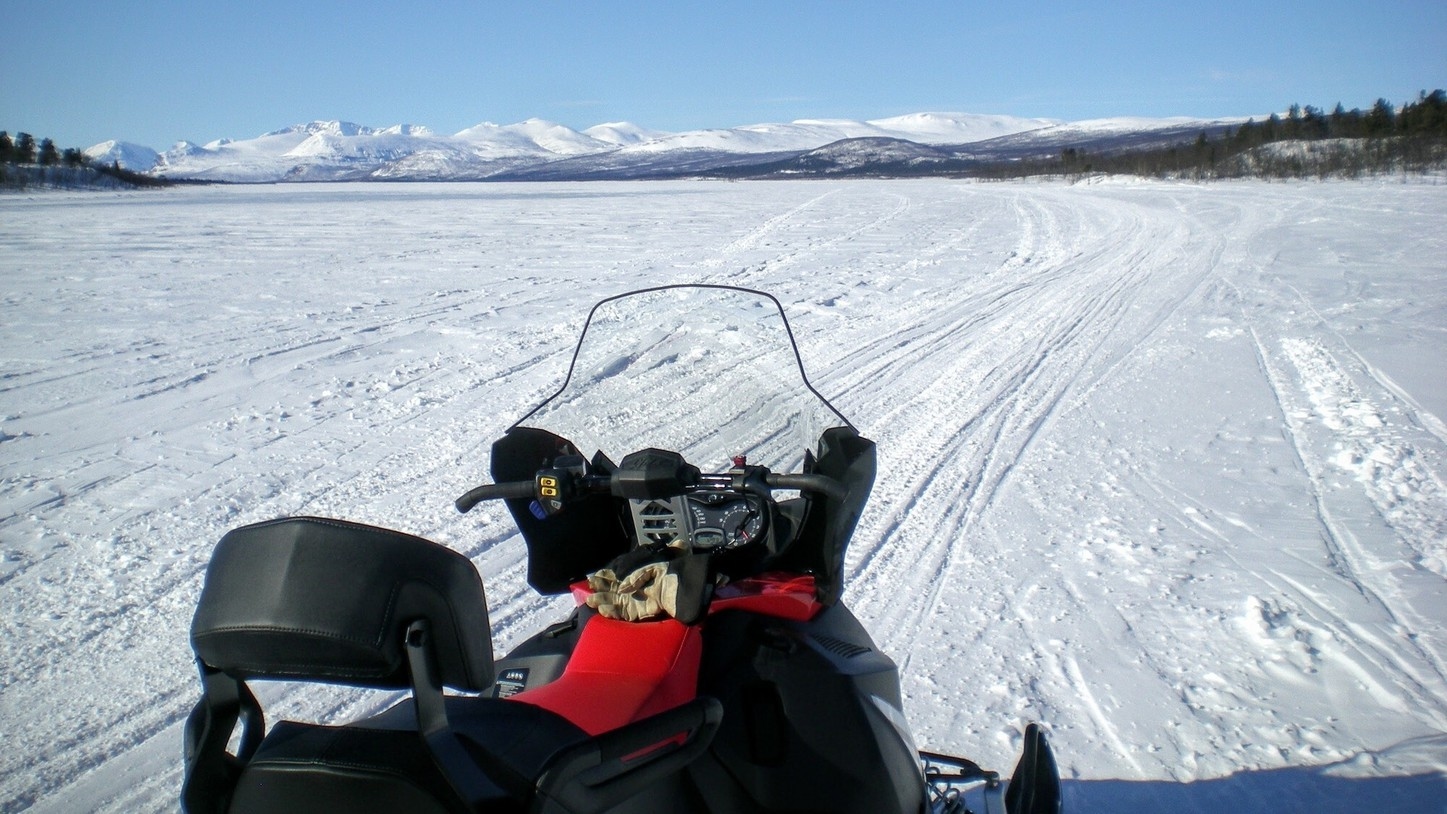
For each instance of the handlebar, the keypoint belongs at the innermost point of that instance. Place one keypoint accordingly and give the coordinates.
(817, 484)
(495, 491)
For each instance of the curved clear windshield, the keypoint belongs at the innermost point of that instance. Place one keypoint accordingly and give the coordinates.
(707, 371)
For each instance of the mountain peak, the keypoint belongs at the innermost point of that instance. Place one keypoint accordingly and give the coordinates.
(130, 156)
(406, 130)
(622, 133)
(329, 128)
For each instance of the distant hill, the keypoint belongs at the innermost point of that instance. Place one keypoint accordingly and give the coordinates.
(26, 163)
(129, 156)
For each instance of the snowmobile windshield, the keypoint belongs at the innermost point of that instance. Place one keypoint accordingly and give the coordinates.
(710, 372)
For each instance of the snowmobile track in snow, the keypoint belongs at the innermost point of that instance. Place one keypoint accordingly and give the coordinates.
(1161, 464)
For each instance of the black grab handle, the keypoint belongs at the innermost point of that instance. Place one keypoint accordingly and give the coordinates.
(601, 772)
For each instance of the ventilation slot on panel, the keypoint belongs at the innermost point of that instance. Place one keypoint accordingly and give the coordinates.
(839, 647)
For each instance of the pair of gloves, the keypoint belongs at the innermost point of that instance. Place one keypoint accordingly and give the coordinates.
(647, 584)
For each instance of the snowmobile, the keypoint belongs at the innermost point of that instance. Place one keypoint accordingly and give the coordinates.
(709, 665)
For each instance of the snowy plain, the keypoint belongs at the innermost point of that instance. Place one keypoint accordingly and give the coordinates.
(1162, 465)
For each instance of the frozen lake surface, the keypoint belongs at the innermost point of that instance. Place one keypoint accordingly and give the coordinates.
(1161, 465)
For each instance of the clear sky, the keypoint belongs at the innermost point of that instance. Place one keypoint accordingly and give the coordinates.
(157, 71)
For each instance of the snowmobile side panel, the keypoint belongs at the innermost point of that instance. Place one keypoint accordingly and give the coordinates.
(542, 657)
(805, 726)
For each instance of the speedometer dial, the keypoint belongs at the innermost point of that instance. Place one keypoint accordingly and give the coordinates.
(723, 519)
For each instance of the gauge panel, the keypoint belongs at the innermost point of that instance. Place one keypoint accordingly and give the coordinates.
(722, 519)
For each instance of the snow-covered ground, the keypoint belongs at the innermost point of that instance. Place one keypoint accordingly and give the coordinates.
(1162, 465)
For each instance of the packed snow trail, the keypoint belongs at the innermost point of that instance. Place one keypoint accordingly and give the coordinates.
(1161, 465)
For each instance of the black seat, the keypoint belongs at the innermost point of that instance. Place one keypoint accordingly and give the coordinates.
(380, 765)
(311, 599)
(325, 600)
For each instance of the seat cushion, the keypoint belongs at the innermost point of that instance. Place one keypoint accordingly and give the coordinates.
(301, 768)
(381, 765)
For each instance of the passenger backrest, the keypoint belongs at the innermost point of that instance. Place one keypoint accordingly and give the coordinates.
(311, 599)
(307, 598)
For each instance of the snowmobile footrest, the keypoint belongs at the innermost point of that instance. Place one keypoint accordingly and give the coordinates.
(949, 778)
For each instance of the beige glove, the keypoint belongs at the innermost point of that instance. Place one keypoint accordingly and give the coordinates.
(649, 592)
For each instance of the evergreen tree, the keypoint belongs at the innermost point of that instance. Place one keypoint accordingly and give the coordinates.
(1381, 119)
(24, 149)
(1247, 136)
(1291, 128)
(49, 155)
(7, 148)
(1343, 124)
(1425, 117)
(1273, 128)
(1313, 123)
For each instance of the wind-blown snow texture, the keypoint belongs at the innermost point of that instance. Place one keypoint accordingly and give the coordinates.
(1161, 465)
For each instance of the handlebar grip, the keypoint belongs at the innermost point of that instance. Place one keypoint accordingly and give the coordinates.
(820, 484)
(495, 491)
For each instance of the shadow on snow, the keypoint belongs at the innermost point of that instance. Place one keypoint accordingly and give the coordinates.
(1278, 791)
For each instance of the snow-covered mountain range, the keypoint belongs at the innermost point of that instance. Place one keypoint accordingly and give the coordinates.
(542, 150)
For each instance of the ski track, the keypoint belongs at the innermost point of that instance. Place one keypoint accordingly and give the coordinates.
(1146, 472)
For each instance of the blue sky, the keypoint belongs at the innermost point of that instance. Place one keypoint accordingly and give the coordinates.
(156, 71)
